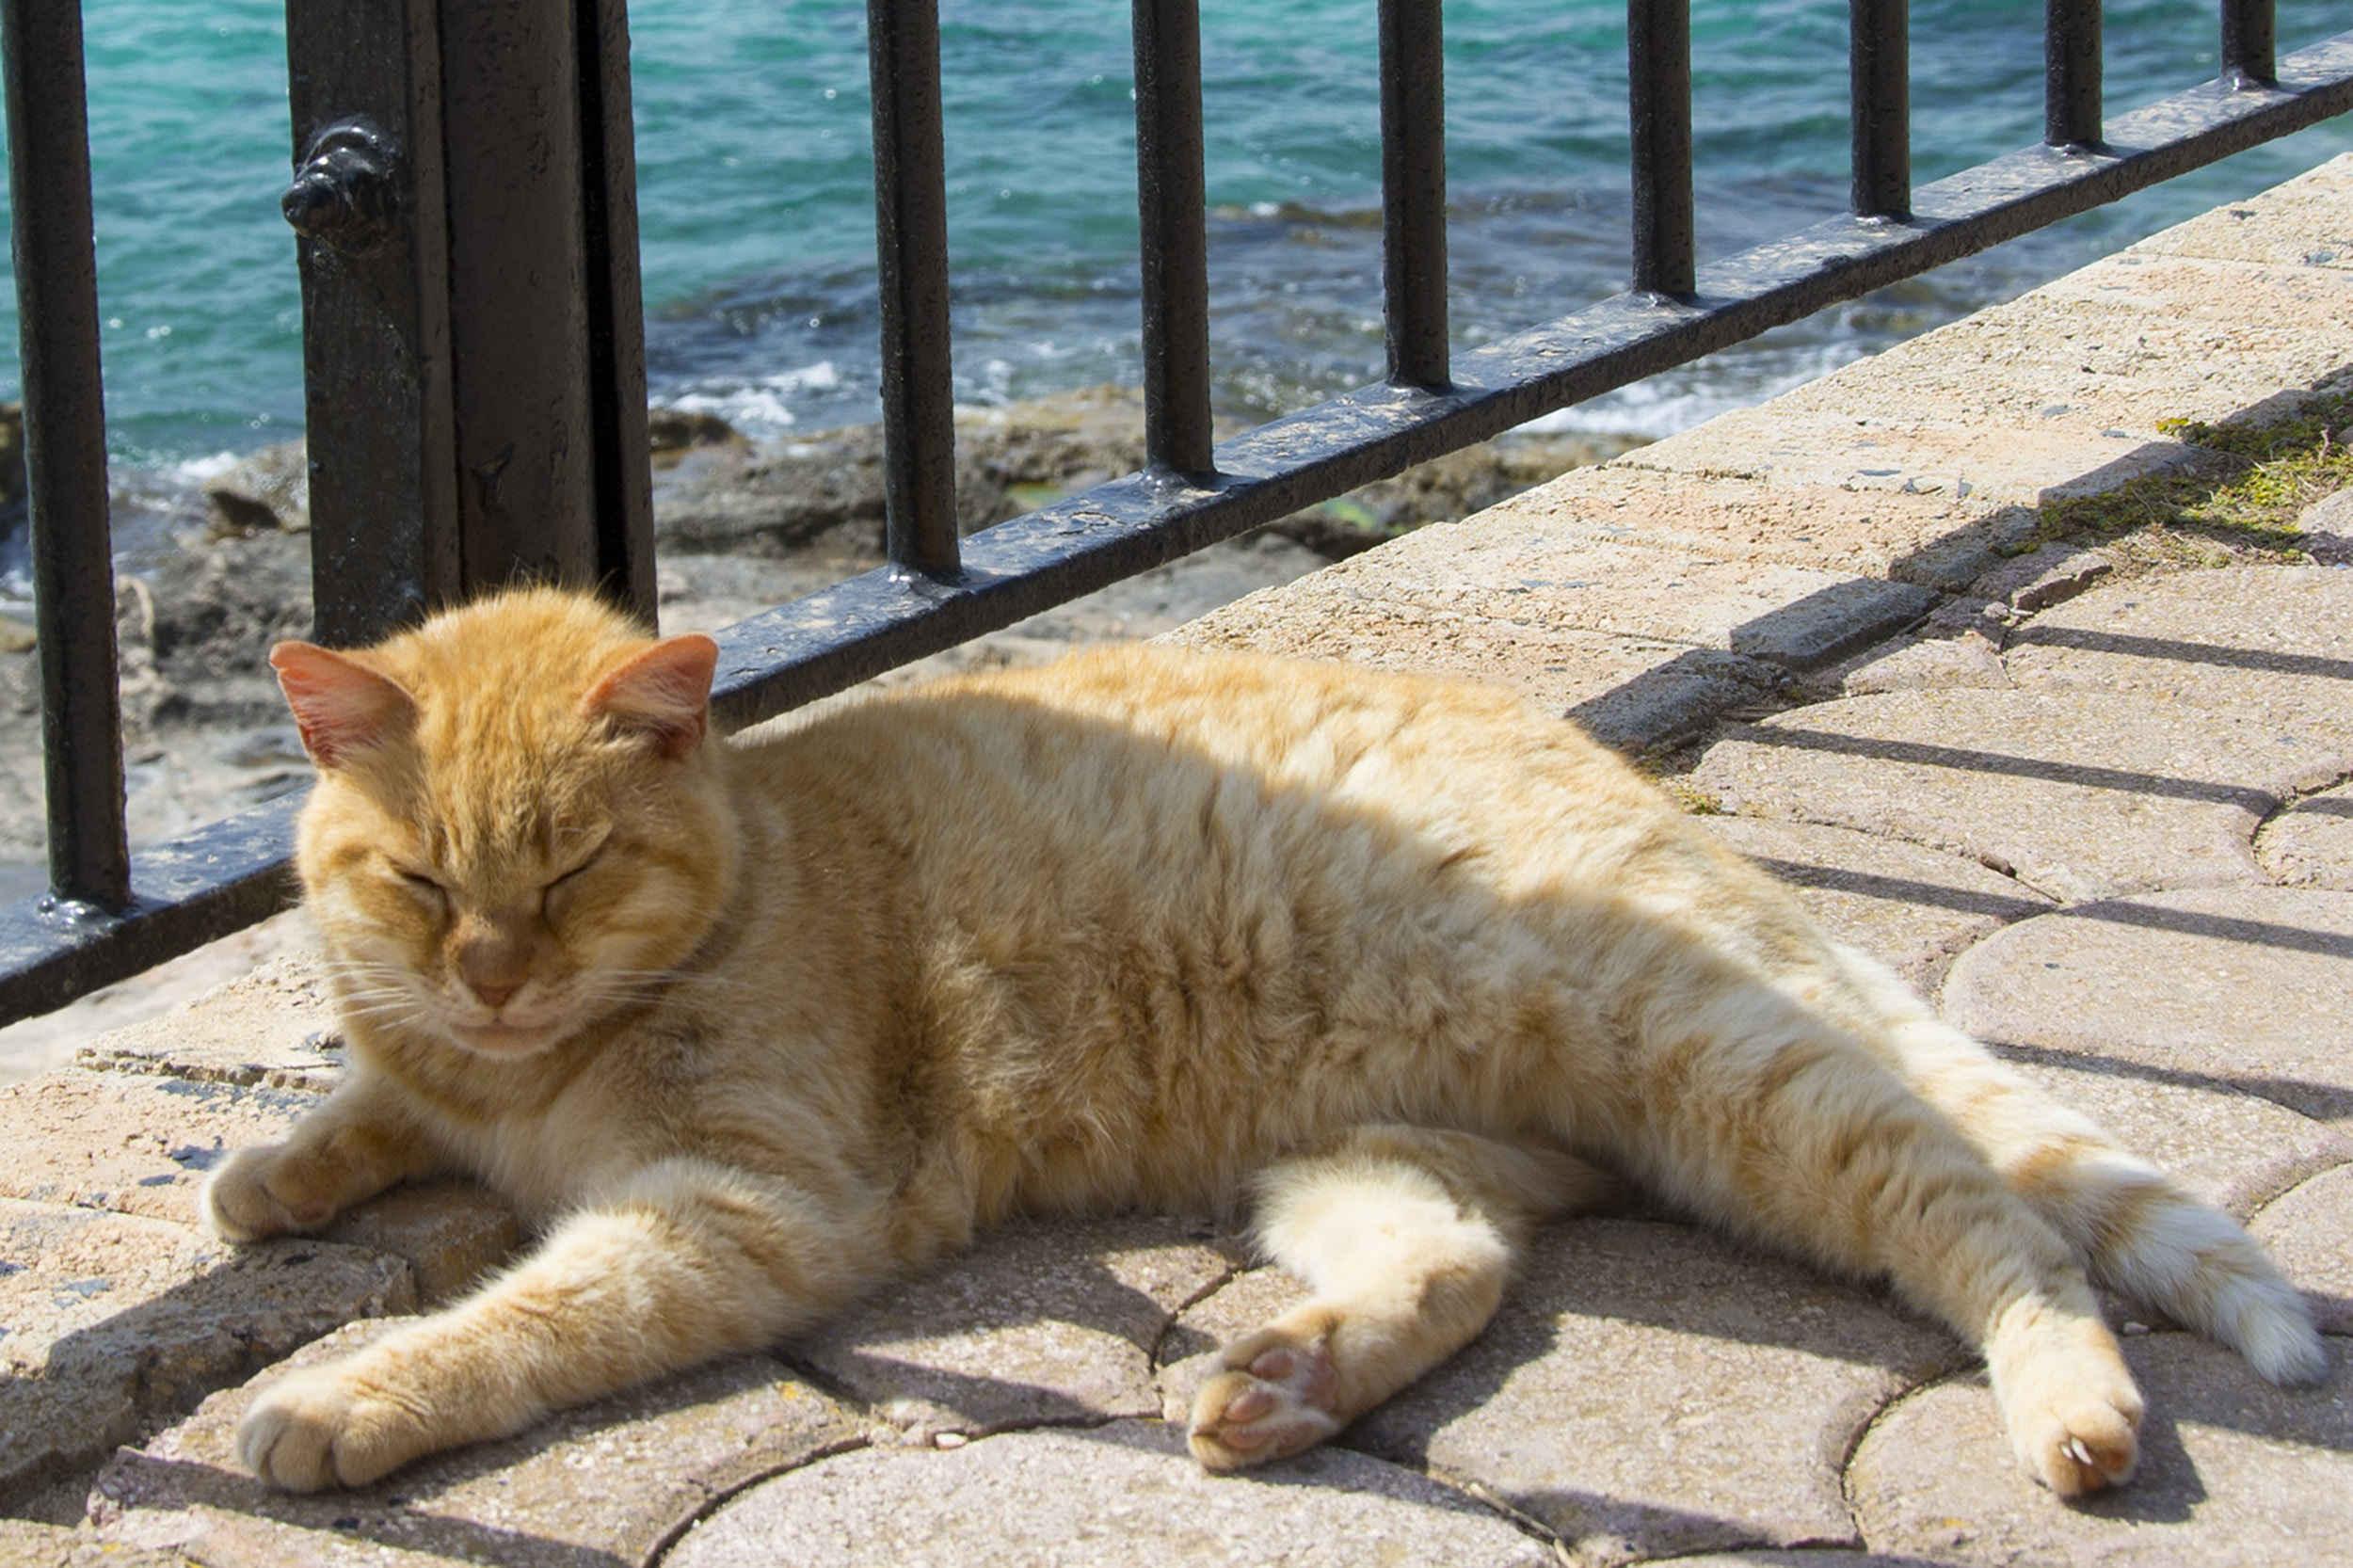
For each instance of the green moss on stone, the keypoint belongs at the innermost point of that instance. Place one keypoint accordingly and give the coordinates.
(2247, 497)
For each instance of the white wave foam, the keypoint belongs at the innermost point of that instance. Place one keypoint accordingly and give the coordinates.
(197, 470)
(758, 407)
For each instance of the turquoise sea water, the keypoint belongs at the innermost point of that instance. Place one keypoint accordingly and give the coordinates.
(757, 212)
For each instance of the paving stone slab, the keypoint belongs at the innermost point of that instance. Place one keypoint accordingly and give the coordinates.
(2247, 988)
(1042, 1322)
(1504, 569)
(600, 1486)
(2232, 1471)
(1934, 661)
(1649, 1389)
(2309, 1231)
(275, 1028)
(134, 1144)
(112, 1321)
(2048, 574)
(2121, 345)
(452, 1232)
(1127, 1492)
(2303, 221)
(1936, 541)
(1528, 571)
(1878, 453)
(2236, 1150)
(2272, 640)
(1628, 692)
(2311, 844)
(2078, 796)
(2326, 526)
(26, 1544)
(1910, 907)
(142, 1144)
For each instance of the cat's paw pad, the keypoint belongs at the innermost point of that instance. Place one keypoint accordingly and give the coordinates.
(1276, 1398)
(2079, 1444)
(325, 1428)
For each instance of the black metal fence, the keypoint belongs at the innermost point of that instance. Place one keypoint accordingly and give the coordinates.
(465, 428)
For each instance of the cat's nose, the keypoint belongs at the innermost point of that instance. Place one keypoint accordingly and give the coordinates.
(494, 997)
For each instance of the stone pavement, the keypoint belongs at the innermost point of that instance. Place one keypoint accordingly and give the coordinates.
(2101, 809)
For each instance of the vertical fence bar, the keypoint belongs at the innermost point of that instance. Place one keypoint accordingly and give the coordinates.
(526, 437)
(623, 462)
(1659, 69)
(1172, 207)
(1880, 65)
(2249, 50)
(65, 449)
(364, 80)
(1412, 191)
(911, 247)
(2071, 63)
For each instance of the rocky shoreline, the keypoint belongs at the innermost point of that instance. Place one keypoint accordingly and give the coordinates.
(215, 570)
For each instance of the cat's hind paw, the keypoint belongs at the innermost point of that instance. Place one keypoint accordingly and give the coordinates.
(2069, 1400)
(2080, 1445)
(323, 1428)
(1275, 1397)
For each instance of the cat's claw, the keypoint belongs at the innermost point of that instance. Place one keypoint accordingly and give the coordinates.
(2093, 1444)
(323, 1428)
(1276, 1398)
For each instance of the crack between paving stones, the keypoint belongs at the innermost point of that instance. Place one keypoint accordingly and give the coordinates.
(2258, 1211)
(2289, 801)
(1477, 1492)
(1152, 1352)
(717, 1498)
(1864, 1430)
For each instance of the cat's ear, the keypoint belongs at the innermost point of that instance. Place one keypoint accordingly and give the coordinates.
(664, 692)
(342, 706)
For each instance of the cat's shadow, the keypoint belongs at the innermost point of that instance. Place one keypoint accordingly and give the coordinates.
(1649, 1302)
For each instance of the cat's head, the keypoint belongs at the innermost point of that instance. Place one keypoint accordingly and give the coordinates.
(518, 825)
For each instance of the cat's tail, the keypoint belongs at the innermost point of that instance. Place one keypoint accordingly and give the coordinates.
(2139, 1232)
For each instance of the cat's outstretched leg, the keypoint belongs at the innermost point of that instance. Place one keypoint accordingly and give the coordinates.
(1762, 1113)
(688, 1261)
(1406, 1237)
(348, 1149)
(2140, 1231)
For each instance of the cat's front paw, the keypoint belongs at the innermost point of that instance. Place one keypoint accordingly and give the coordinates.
(1276, 1398)
(264, 1191)
(325, 1427)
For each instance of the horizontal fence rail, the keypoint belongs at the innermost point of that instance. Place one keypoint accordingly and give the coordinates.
(939, 591)
(832, 639)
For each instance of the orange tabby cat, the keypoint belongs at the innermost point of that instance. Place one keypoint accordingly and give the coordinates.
(753, 1026)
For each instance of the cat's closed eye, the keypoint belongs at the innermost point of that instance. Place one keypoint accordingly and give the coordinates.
(418, 881)
(566, 882)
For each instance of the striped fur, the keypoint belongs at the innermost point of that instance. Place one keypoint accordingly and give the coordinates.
(752, 1027)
